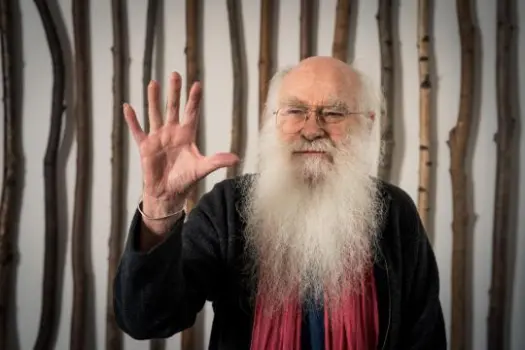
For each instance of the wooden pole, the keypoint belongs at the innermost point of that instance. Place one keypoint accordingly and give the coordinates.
(505, 137)
(152, 14)
(237, 42)
(425, 89)
(459, 138)
(193, 72)
(307, 29)
(48, 316)
(13, 171)
(342, 28)
(265, 52)
(81, 27)
(118, 191)
(385, 28)
(149, 41)
(192, 67)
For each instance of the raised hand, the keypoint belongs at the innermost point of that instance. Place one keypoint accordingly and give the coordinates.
(171, 162)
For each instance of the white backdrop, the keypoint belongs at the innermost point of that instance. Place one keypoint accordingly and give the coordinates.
(218, 90)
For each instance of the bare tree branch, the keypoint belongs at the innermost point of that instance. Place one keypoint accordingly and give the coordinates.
(118, 191)
(80, 233)
(48, 318)
(458, 141)
(238, 117)
(425, 89)
(193, 72)
(505, 137)
(342, 30)
(265, 52)
(13, 162)
(384, 22)
(307, 29)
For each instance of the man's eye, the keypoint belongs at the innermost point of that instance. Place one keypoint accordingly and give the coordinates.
(333, 114)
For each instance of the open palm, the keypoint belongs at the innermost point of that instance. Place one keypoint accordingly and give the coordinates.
(171, 162)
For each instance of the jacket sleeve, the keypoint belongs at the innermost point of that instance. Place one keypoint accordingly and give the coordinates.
(159, 293)
(423, 324)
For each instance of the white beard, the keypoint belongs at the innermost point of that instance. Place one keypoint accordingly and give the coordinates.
(311, 223)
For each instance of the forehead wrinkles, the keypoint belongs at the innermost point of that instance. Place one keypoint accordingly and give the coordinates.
(319, 89)
(327, 102)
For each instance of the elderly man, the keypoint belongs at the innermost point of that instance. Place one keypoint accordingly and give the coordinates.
(311, 252)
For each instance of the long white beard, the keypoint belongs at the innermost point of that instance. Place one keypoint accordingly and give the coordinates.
(311, 224)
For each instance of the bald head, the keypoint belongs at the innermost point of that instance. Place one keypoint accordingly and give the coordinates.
(321, 80)
(325, 65)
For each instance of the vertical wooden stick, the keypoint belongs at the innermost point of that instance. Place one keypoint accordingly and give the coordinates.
(118, 197)
(307, 29)
(342, 28)
(505, 153)
(13, 171)
(265, 52)
(192, 51)
(459, 138)
(149, 41)
(48, 316)
(384, 22)
(81, 27)
(193, 72)
(237, 42)
(425, 87)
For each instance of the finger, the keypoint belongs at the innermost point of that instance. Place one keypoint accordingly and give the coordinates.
(173, 100)
(133, 123)
(217, 161)
(191, 112)
(154, 116)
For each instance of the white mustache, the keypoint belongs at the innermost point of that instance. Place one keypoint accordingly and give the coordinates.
(316, 146)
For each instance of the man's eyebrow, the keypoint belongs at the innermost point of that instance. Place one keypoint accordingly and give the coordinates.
(293, 101)
(336, 104)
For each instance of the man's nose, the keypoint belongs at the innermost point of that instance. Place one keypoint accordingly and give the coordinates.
(312, 130)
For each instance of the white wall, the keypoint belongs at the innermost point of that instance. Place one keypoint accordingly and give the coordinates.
(218, 89)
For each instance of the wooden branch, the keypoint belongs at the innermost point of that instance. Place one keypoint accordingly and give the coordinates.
(147, 67)
(425, 88)
(236, 38)
(504, 138)
(192, 67)
(307, 29)
(384, 22)
(157, 344)
(193, 72)
(459, 138)
(342, 28)
(149, 41)
(192, 51)
(265, 52)
(48, 317)
(83, 179)
(118, 192)
(13, 171)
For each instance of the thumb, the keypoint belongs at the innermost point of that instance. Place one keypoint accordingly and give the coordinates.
(218, 160)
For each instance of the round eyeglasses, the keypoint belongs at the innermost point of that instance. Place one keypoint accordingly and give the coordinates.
(291, 120)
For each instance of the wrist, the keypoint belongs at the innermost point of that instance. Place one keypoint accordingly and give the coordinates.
(159, 214)
(156, 207)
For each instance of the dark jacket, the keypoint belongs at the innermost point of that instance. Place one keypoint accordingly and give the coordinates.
(159, 293)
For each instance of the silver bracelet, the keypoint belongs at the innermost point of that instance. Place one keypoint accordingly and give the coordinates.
(159, 218)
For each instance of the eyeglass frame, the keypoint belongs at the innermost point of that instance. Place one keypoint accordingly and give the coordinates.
(320, 118)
